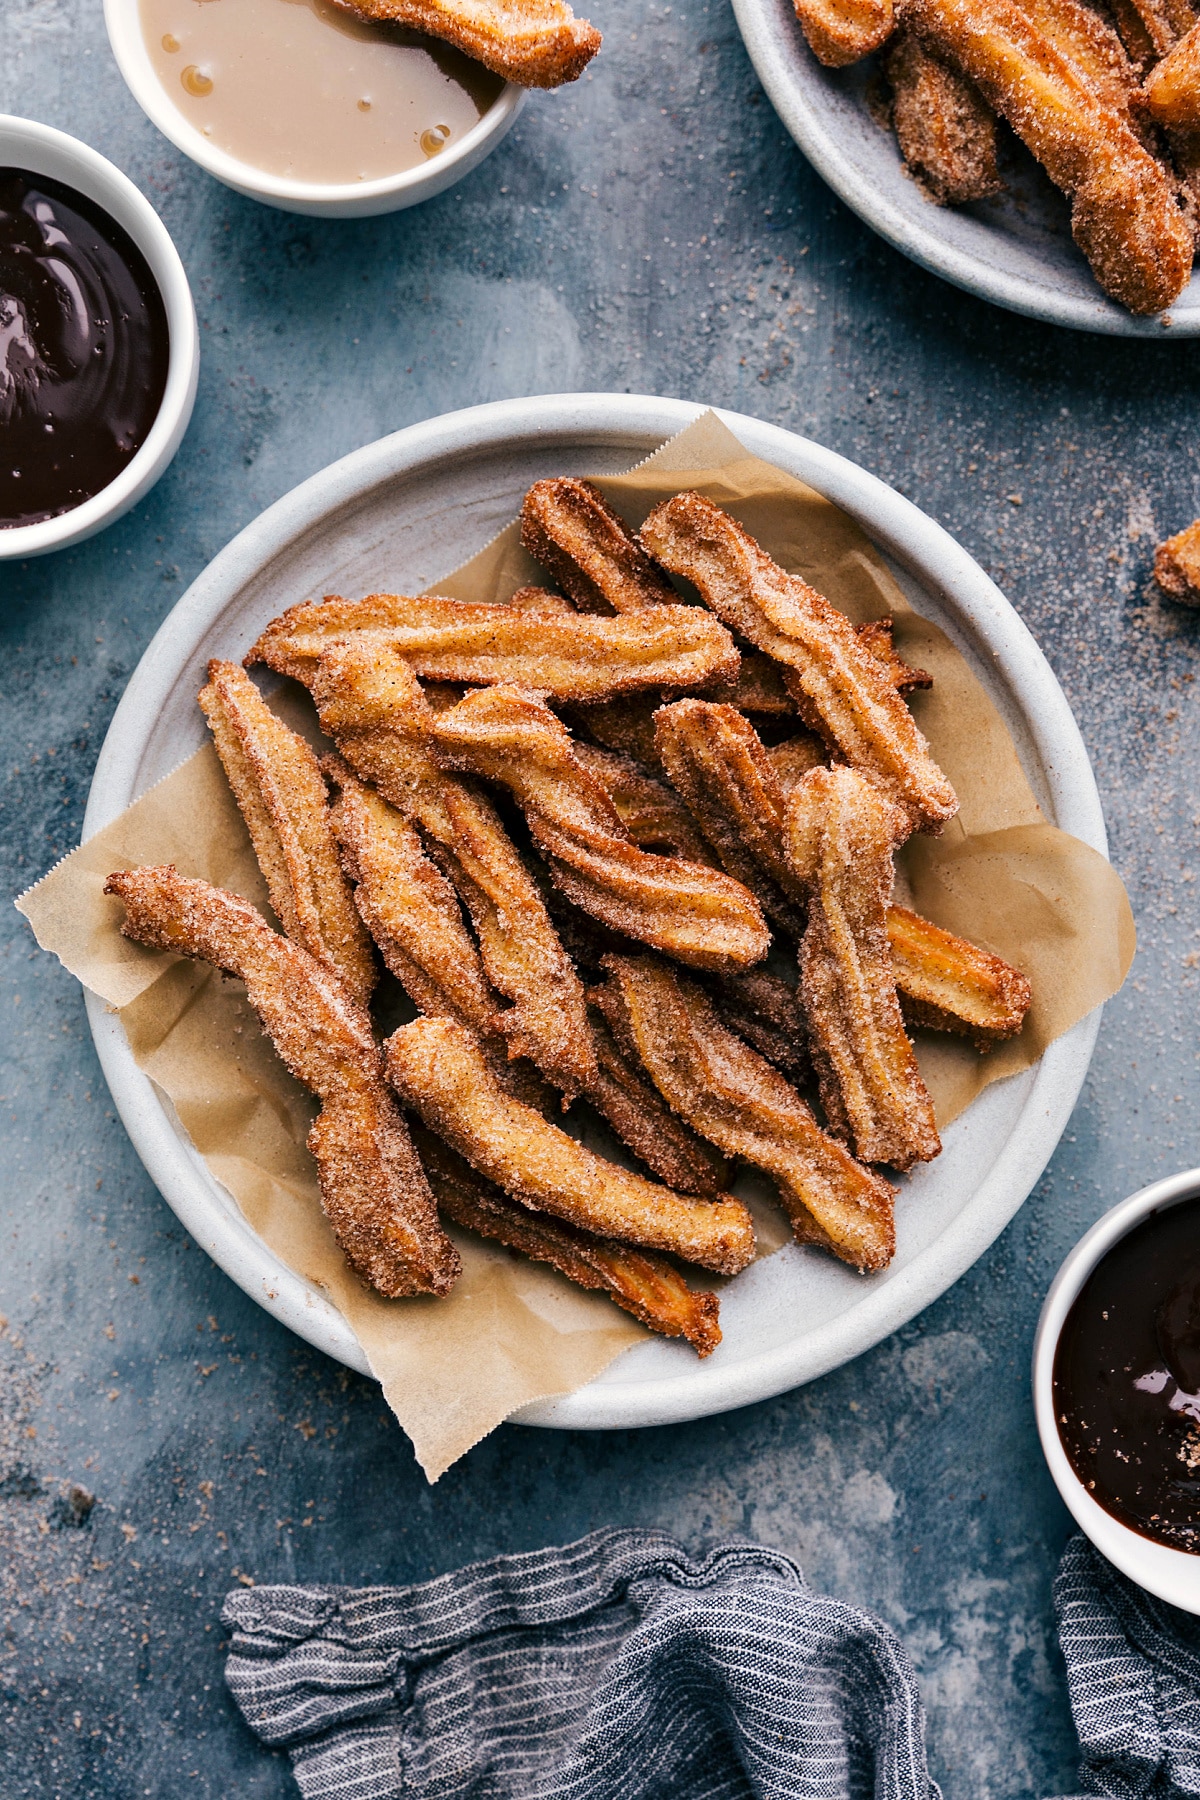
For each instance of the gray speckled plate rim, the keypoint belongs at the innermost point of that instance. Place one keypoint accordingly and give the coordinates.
(797, 87)
(916, 544)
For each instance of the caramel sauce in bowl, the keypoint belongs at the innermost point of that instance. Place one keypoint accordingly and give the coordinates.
(1112, 1367)
(300, 104)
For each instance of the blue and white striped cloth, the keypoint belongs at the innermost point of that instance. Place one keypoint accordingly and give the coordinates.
(620, 1668)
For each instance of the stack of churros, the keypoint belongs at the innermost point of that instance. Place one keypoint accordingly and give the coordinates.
(1105, 96)
(620, 851)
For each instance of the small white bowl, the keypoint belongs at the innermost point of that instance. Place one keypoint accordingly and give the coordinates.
(333, 200)
(44, 151)
(1172, 1575)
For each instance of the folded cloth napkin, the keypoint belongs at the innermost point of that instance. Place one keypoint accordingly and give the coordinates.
(621, 1667)
(617, 1666)
(1133, 1675)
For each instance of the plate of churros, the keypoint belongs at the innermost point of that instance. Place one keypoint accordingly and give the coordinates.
(599, 893)
(1043, 154)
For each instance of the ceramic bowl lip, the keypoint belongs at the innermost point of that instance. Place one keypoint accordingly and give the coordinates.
(26, 144)
(408, 186)
(1171, 1575)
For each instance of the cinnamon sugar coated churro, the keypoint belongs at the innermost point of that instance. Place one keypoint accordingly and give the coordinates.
(688, 910)
(370, 703)
(280, 793)
(569, 527)
(572, 656)
(841, 688)
(1173, 85)
(842, 31)
(1124, 213)
(1177, 565)
(644, 1285)
(946, 132)
(437, 1068)
(841, 833)
(536, 43)
(947, 984)
(372, 1186)
(744, 1105)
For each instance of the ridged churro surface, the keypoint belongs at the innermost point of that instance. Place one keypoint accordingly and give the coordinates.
(372, 1186)
(277, 784)
(843, 690)
(841, 834)
(536, 43)
(371, 704)
(572, 656)
(744, 1105)
(437, 1068)
(568, 526)
(687, 910)
(646, 1286)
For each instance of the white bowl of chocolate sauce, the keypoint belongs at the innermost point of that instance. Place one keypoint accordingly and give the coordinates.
(1116, 1384)
(99, 351)
(307, 107)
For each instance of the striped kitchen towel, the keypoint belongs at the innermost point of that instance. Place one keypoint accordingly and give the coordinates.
(618, 1666)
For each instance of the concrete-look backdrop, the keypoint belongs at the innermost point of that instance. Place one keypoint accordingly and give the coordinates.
(652, 229)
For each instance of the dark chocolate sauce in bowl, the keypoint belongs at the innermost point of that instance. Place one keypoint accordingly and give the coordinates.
(84, 348)
(1127, 1379)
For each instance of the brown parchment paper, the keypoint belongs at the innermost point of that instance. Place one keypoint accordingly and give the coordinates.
(512, 1332)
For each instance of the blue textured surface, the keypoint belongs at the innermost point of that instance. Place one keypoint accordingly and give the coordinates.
(652, 229)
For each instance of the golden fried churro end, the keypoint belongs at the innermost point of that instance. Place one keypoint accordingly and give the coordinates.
(1173, 86)
(568, 526)
(946, 130)
(536, 43)
(844, 31)
(1177, 565)
(947, 983)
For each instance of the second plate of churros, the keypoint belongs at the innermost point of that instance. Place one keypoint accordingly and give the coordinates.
(640, 837)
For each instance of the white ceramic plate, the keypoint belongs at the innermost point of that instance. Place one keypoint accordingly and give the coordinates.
(1015, 250)
(410, 508)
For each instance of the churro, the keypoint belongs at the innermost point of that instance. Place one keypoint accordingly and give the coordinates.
(1173, 85)
(568, 526)
(687, 910)
(536, 43)
(372, 1186)
(948, 984)
(945, 129)
(841, 834)
(569, 655)
(844, 31)
(731, 1095)
(277, 784)
(438, 1069)
(1177, 565)
(840, 686)
(371, 704)
(1125, 215)
(651, 812)
(646, 1286)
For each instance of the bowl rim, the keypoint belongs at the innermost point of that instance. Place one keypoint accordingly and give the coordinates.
(1170, 1574)
(44, 150)
(902, 531)
(121, 19)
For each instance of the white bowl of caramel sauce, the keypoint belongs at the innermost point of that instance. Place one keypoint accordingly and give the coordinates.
(1116, 1387)
(302, 105)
